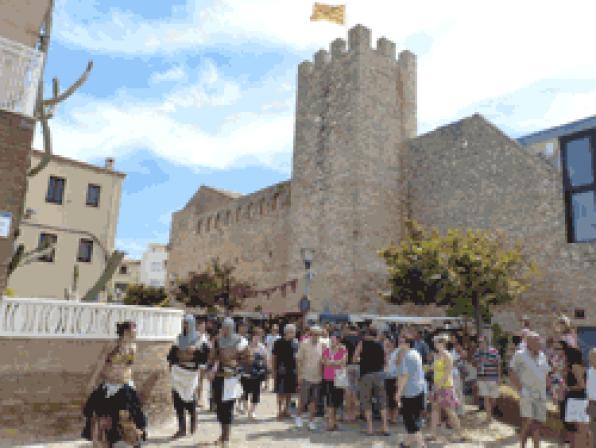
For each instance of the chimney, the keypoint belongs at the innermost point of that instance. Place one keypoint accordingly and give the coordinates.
(109, 164)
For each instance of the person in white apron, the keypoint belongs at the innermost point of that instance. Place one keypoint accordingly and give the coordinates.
(228, 353)
(184, 367)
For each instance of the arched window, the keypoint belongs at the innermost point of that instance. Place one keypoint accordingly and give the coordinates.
(208, 225)
(217, 221)
(199, 225)
(238, 213)
(261, 206)
(249, 211)
(228, 218)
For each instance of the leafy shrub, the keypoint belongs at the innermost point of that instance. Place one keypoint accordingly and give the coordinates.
(9, 292)
(145, 296)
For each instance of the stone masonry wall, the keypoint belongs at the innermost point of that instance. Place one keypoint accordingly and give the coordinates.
(43, 382)
(16, 136)
(470, 175)
(354, 106)
(251, 232)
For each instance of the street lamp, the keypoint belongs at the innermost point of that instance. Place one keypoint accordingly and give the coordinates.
(307, 256)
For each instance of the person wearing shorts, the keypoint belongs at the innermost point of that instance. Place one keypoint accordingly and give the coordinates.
(309, 362)
(410, 391)
(487, 361)
(443, 396)
(371, 355)
(528, 372)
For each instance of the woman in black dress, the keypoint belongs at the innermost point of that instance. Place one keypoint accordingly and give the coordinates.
(284, 370)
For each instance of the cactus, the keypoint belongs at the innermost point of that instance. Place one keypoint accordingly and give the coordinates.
(22, 258)
(75, 277)
(45, 111)
(16, 259)
(111, 266)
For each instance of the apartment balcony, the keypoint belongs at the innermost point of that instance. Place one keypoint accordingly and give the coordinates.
(20, 69)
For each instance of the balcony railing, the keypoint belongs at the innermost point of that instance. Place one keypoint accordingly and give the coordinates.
(20, 69)
(36, 318)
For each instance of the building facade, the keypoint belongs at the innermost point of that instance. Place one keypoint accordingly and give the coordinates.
(128, 273)
(75, 206)
(154, 266)
(22, 66)
(360, 169)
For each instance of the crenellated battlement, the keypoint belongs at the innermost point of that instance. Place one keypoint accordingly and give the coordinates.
(359, 43)
(245, 209)
(359, 39)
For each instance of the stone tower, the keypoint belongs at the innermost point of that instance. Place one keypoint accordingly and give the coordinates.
(355, 107)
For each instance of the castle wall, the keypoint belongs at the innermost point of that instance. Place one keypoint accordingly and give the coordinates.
(470, 175)
(250, 232)
(351, 111)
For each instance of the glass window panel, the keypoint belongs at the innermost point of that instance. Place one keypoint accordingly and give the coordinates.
(584, 216)
(579, 162)
(93, 195)
(55, 190)
(47, 239)
(85, 250)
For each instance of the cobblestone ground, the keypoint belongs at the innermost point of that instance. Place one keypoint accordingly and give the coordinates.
(267, 432)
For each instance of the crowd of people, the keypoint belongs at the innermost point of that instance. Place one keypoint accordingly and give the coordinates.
(347, 372)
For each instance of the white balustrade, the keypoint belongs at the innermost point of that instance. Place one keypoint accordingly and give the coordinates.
(38, 318)
(20, 69)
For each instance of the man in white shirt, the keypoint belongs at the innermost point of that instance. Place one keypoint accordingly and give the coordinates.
(309, 363)
(528, 371)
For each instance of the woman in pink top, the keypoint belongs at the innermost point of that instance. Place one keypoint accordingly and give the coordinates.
(334, 358)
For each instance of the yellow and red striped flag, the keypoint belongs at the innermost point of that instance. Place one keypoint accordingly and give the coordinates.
(336, 14)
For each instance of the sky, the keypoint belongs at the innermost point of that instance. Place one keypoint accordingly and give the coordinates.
(191, 92)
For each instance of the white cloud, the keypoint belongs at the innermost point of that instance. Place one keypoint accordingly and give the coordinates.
(173, 74)
(469, 50)
(171, 127)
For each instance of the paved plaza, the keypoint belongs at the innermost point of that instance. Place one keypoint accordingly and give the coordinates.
(267, 432)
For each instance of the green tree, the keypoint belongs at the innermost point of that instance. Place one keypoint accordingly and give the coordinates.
(467, 272)
(216, 286)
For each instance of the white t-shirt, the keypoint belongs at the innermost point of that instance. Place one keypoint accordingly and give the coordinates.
(531, 373)
(243, 343)
(270, 340)
(591, 384)
(391, 369)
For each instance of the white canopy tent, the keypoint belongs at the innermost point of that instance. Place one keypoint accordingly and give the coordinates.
(382, 322)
